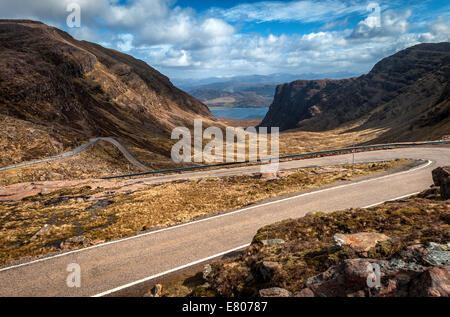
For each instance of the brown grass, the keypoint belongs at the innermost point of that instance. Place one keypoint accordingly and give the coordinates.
(99, 160)
(71, 213)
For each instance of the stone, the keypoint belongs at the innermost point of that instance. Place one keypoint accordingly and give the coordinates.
(156, 291)
(283, 174)
(360, 242)
(75, 242)
(434, 282)
(441, 178)
(272, 242)
(45, 191)
(306, 293)
(407, 276)
(249, 278)
(44, 230)
(269, 176)
(207, 269)
(430, 254)
(56, 176)
(274, 292)
(97, 242)
(264, 271)
(356, 271)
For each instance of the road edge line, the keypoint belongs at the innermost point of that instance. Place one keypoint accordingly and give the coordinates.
(119, 288)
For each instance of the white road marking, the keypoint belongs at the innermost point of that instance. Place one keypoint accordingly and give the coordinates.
(114, 290)
(394, 199)
(215, 217)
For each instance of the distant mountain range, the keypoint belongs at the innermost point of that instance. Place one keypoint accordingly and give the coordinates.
(407, 94)
(242, 91)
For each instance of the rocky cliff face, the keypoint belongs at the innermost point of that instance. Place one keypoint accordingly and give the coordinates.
(75, 90)
(407, 92)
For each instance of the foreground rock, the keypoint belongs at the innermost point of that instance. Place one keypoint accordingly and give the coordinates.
(274, 292)
(43, 231)
(79, 241)
(156, 291)
(441, 178)
(360, 242)
(399, 248)
(399, 277)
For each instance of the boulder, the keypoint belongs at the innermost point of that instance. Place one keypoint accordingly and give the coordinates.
(360, 242)
(441, 178)
(306, 293)
(274, 292)
(44, 230)
(411, 275)
(207, 269)
(264, 271)
(156, 291)
(434, 282)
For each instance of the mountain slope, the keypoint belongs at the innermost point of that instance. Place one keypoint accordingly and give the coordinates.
(406, 93)
(69, 91)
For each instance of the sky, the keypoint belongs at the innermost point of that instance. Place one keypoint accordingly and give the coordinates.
(186, 39)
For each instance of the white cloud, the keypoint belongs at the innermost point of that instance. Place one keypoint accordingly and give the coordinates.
(305, 11)
(440, 28)
(182, 43)
(391, 23)
(125, 42)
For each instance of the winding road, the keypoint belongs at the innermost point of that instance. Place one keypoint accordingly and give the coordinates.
(118, 265)
(122, 148)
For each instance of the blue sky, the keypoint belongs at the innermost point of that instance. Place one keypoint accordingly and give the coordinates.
(198, 39)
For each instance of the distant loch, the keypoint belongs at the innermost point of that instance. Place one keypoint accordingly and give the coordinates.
(239, 113)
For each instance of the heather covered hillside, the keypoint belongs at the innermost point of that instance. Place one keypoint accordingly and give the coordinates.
(407, 94)
(57, 92)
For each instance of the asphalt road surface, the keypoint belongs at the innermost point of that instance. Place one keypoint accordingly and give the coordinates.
(111, 267)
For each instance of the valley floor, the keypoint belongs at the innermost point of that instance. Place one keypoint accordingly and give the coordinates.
(102, 159)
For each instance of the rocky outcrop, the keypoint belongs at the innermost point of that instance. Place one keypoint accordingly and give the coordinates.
(380, 251)
(360, 242)
(408, 92)
(441, 178)
(411, 275)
